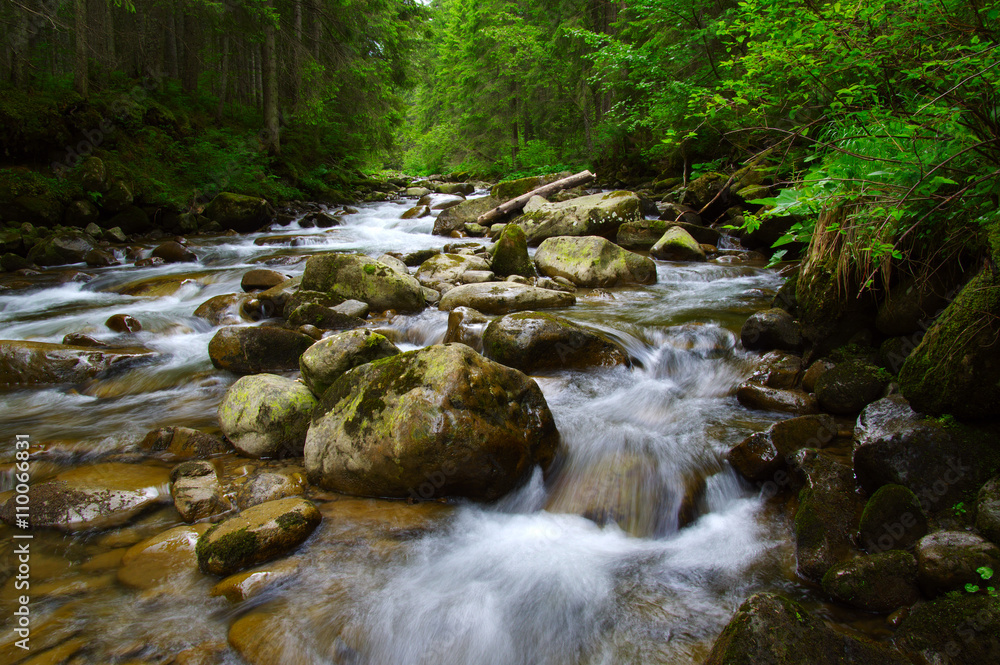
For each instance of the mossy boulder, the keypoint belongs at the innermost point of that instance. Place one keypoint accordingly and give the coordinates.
(850, 386)
(80, 213)
(956, 367)
(328, 359)
(948, 560)
(676, 244)
(771, 329)
(594, 215)
(957, 631)
(443, 271)
(35, 363)
(880, 583)
(69, 246)
(769, 629)
(510, 253)
(323, 318)
(257, 349)
(988, 510)
(892, 519)
(118, 197)
(164, 560)
(228, 309)
(439, 421)
(592, 261)
(358, 277)
(91, 174)
(240, 213)
(99, 496)
(504, 297)
(265, 415)
(762, 454)
(511, 189)
(642, 234)
(909, 305)
(532, 341)
(467, 212)
(258, 534)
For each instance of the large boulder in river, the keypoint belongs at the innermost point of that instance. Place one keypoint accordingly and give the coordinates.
(962, 630)
(359, 277)
(326, 360)
(265, 415)
(592, 261)
(439, 421)
(510, 253)
(676, 244)
(257, 349)
(594, 215)
(443, 271)
(956, 367)
(881, 582)
(92, 497)
(258, 534)
(948, 560)
(33, 363)
(239, 213)
(70, 246)
(769, 629)
(644, 233)
(504, 297)
(850, 386)
(467, 212)
(771, 329)
(532, 341)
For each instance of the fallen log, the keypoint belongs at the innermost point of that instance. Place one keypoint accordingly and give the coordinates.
(504, 209)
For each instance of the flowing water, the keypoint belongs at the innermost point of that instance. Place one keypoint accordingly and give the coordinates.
(636, 549)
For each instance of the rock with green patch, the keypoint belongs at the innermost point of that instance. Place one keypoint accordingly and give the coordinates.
(956, 367)
(323, 318)
(511, 189)
(892, 519)
(466, 326)
(953, 631)
(91, 174)
(328, 359)
(436, 422)
(948, 560)
(183, 442)
(533, 341)
(266, 486)
(592, 261)
(850, 386)
(642, 234)
(504, 297)
(37, 363)
(228, 309)
(594, 215)
(359, 277)
(443, 271)
(240, 213)
(882, 582)
(988, 510)
(257, 349)
(69, 246)
(467, 212)
(676, 244)
(510, 253)
(164, 560)
(455, 188)
(771, 329)
(769, 629)
(98, 496)
(265, 415)
(258, 534)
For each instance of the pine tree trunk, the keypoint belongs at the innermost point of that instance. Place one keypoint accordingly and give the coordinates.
(271, 87)
(189, 80)
(81, 77)
(297, 55)
(223, 78)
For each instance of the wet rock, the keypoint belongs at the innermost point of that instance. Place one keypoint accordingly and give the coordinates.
(227, 309)
(358, 277)
(165, 560)
(642, 234)
(34, 363)
(466, 326)
(478, 276)
(257, 349)
(417, 257)
(948, 560)
(250, 583)
(257, 534)
(440, 421)
(196, 491)
(276, 298)
(269, 486)
(244, 214)
(265, 415)
(260, 279)
(320, 220)
(443, 271)
(755, 396)
(58, 627)
(771, 329)
(816, 370)
(676, 244)
(394, 263)
(533, 341)
(466, 212)
(893, 444)
(69, 246)
(173, 252)
(327, 360)
(99, 496)
(953, 631)
(455, 188)
(827, 516)
(510, 254)
(850, 386)
(303, 297)
(123, 323)
(769, 629)
(504, 297)
(762, 454)
(79, 339)
(988, 510)
(880, 583)
(416, 192)
(416, 212)
(184, 442)
(592, 261)
(594, 215)
(322, 318)
(892, 519)
(99, 258)
(777, 369)
(150, 262)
